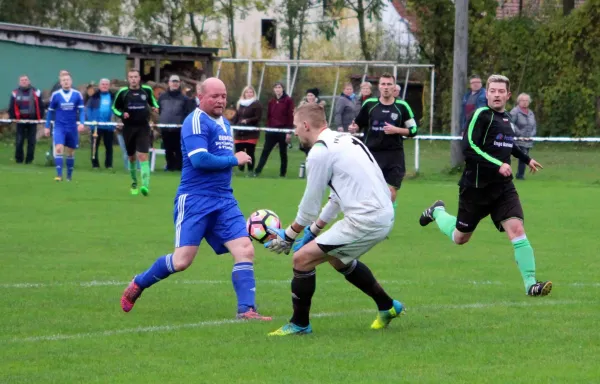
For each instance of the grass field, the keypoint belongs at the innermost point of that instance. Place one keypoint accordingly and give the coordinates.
(69, 249)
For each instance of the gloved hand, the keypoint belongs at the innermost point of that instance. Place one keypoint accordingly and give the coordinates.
(310, 233)
(284, 238)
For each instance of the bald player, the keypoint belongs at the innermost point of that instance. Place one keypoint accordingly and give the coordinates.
(204, 204)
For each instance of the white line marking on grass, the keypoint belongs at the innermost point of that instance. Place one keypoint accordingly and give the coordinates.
(216, 323)
(105, 283)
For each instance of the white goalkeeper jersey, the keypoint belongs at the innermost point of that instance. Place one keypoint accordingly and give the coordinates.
(345, 165)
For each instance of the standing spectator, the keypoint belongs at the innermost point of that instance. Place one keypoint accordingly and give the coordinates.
(312, 96)
(25, 104)
(525, 126)
(472, 100)
(397, 90)
(345, 109)
(174, 107)
(248, 114)
(366, 92)
(280, 114)
(98, 108)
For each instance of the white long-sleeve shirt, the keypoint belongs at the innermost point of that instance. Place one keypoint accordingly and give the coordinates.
(345, 165)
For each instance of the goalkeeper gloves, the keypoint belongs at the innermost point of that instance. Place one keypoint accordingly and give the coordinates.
(283, 240)
(310, 233)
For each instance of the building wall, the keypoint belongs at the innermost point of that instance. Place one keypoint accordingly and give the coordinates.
(248, 29)
(42, 64)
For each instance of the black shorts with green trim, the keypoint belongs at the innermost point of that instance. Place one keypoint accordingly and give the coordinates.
(499, 200)
(392, 166)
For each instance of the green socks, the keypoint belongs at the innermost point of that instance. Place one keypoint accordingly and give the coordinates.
(145, 168)
(133, 171)
(445, 221)
(525, 260)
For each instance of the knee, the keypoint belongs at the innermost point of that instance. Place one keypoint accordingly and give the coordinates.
(183, 258)
(460, 238)
(300, 261)
(244, 252)
(516, 230)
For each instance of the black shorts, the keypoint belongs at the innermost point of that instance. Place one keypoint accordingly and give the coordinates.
(500, 201)
(137, 139)
(392, 166)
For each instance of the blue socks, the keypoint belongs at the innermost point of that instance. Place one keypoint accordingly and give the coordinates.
(161, 269)
(242, 277)
(58, 160)
(70, 165)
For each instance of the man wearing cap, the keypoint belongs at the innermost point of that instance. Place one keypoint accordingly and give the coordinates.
(174, 108)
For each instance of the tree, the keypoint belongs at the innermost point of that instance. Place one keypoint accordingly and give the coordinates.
(159, 21)
(204, 9)
(232, 8)
(93, 16)
(293, 15)
(361, 10)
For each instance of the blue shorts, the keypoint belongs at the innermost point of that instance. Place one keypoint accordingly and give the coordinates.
(66, 137)
(218, 220)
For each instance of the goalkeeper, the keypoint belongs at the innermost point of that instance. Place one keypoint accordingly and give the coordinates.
(345, 165)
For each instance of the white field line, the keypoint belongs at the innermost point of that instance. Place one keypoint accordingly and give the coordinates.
(217, 323)
(104, 283)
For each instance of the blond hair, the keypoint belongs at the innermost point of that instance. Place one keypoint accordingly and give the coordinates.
(499, 79)
(242, 97)
(313, 113)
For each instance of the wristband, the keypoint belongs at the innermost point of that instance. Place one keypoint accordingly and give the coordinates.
(315, 229)
(290, 233)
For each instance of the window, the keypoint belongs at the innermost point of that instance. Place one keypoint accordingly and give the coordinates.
(269, 32)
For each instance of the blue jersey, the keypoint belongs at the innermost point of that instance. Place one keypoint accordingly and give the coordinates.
(66, 107)
(202, 133)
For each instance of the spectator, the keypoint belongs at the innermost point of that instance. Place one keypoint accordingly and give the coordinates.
(472, 100)
(98, 108)
(397, 90)
(280, 114)
(248, 114)
(312, 96)
(174, 107)
(366, 91)
(25, 104)
(345, 109)
(198, 85)
(525, 126)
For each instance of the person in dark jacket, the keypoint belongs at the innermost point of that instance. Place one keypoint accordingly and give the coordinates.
(345, 109)
(174, 108)
(248, 114)
(98, 108)
(25, 104)
(280, 114)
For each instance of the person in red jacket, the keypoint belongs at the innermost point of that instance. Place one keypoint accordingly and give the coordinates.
(280, 114)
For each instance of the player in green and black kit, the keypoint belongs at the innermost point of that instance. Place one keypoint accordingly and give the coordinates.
(486, 186)
(133, 104)
(384, 122)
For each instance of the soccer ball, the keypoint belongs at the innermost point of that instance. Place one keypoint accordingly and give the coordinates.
(259, 221)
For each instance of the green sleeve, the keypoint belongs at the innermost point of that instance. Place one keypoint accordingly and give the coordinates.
(476, 133)
(117, 106)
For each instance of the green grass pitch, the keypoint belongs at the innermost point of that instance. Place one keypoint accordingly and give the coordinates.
(69, 249)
